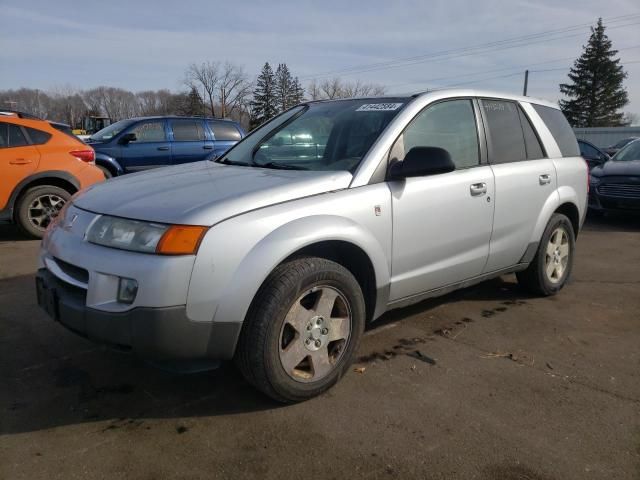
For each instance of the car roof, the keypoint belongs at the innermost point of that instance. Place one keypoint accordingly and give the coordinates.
(193, 117)
(452, 92)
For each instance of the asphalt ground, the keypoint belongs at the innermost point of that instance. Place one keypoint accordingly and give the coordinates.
(486, 383)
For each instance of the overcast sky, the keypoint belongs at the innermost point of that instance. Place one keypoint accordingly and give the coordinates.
(144, 44)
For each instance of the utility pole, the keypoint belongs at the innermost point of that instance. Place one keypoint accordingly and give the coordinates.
(526, 82)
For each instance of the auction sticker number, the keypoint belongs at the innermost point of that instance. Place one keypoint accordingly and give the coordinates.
(378, 107)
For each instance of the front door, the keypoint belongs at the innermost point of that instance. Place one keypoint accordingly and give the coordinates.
(441, 223)
(150, 149)
(18, 159)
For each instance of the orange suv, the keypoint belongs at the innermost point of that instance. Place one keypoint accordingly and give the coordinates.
(42, 164)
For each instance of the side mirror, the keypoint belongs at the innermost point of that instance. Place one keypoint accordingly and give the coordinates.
(422, 161)
(128, 137)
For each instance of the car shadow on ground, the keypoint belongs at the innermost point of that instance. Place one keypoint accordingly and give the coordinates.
(56, 378)
(11, 233)
(613, 222)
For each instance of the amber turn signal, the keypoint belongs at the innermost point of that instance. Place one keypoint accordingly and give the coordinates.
(181, 240)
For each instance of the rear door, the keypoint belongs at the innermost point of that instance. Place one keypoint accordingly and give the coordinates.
(226, 135)
(188, 141)
(525, 180)
(441, 223)
(151, 149)
(18, 159)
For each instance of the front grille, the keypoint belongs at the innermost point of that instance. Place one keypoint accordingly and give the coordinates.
(77, 273)
(622, 190)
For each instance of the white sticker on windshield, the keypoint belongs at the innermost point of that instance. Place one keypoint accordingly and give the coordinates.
(378, 107)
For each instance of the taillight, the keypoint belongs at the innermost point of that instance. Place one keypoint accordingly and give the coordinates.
(588, 176)
(88, 156)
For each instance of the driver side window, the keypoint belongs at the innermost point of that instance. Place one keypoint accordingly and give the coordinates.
(450, 125)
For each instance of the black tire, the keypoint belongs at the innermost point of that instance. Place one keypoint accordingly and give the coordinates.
(535, 278)
(258, 352)
(26, 201)
(106, 171)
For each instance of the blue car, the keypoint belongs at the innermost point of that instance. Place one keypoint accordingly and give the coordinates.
(149, 142)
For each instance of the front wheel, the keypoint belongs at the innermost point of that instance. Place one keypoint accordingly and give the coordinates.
(38, 207)
(551, 267)
(302, 329)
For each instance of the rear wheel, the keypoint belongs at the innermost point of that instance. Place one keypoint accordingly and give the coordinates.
(551, 267)
(302, 329)
(38, 206)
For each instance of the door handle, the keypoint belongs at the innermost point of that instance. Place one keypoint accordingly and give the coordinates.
(478, 189)
(164, 149)
(544, 179)
(208, 147)
(20, 161)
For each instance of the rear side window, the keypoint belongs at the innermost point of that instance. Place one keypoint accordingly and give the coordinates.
(505, 131)
(531, 142)
(187, 130)
(560, 129)
(38, 137)
(11, 136)
(224, 131)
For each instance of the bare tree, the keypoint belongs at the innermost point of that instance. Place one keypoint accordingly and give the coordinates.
(336, 88)
(205, 76)
(234, 88)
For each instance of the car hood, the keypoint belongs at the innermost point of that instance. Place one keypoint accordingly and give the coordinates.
(204, 193)
(617, 168)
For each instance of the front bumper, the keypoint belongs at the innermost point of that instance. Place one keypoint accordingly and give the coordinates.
(154, 333)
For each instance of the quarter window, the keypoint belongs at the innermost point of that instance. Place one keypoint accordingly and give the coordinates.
(187, 130)
(223, 131)
(505, 131)
(450, 125)
(38, 137)
(560, 129)
(149, 132)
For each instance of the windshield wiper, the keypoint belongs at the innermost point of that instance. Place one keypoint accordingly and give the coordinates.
(280, 166)
(226, 161)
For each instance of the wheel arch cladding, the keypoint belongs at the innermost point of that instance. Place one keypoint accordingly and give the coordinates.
(110, 163)
(62, 180)
(570, 210)
(319, 235)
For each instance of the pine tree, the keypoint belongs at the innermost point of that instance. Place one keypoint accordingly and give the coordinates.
(263, 106)
(284, 84)
(193, 104)
(596, 93)
(297, 92)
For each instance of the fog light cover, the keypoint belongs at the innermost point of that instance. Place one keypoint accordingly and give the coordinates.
(127, 290)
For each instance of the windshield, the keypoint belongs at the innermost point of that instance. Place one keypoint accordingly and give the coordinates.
(320, 136)
(111, 131)
(622, 143)
(629, 153)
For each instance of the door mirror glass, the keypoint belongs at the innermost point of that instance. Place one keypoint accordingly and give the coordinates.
(129, 137)
(423, 161)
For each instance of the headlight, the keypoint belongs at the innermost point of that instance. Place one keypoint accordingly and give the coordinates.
(145, 237)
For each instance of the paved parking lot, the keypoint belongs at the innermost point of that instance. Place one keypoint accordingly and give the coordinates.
(485, 383)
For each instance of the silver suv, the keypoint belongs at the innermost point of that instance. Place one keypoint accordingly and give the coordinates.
(319, 221)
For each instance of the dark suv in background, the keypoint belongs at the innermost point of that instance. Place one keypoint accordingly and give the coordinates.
(149, 142)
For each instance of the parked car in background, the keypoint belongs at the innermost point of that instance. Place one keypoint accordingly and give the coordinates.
(278, 255)
(615, 185)
(592, 154)
(40, 168)
(150, 142)
(611, 150)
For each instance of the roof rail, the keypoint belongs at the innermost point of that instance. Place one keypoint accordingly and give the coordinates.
(18, 114)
